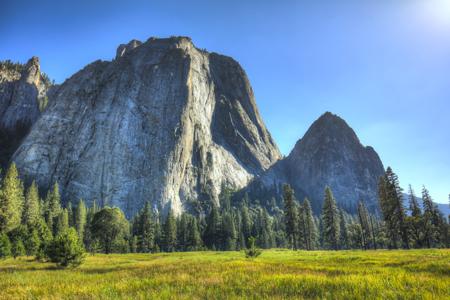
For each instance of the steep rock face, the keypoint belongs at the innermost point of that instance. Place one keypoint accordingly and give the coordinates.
(163, 122)
(330, 154)
(23, 92)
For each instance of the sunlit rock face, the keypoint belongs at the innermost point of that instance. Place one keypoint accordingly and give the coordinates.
(330, 154)
(163, 122)
(23, 94)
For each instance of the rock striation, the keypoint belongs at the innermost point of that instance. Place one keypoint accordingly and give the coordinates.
(23, 94)
(163, 122)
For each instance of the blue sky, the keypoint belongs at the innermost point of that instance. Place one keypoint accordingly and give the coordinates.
(382, 66)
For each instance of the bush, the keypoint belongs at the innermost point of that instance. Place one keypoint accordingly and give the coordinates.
(252, 251)
(5, 246)
(66, 249)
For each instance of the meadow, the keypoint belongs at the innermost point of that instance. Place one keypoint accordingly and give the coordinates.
(276, 274)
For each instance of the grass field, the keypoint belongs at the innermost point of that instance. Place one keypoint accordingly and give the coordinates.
(276, 274)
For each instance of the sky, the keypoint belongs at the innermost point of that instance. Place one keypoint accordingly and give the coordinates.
(382, 65)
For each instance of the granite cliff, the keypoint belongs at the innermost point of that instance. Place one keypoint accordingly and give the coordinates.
(163, 122)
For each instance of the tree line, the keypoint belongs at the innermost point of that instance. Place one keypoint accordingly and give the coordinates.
(44, 228)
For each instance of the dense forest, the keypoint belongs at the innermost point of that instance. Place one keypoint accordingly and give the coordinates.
(30, 225)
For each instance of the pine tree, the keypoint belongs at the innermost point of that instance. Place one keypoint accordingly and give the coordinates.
(213, 239)
(80, 219)
(246, 224)
(32, 243)
(52, 208)
(415, 220)
(194, 238)
(229, 231)
(170, 232)
(330, 219)
(310, 231)
(144, 229)
(11, 200)
(5, 246)
(391, 204)
(291, 215)
(32, 210)
(343, 227)
(17, 249)
(363, 217)
(62, 222)
(430, 228)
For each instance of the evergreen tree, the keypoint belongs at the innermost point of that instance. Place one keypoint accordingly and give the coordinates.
(194, 238)
(32, 210)
(170, 232)
(32, 243)
(344, 237)
(144, 230)
(415, 220)
(66, 249)
(310, 231)
(5, 246)
(229, 231)
(80, 219)
(391, 204)
(430, 226)
(363, 217)
(62, 222)
(291, 215)
(330, 219)
(11, 200)
(52, 208)
(182, 231)
(17, 249)
(212, 237)
(246, 224)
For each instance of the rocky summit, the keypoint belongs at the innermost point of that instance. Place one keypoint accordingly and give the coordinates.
(23, 94)
(330, 154)
(163, 122)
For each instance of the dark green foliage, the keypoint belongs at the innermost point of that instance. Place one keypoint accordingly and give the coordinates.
(5, 246)
(80, 218)
(109, 227)
(32, 243)
(252, 251)
(212, 236)
(330, 219)
(52, 208)
(343, 227)
(144, 229)
(391, 204)
(170, 232)
(17, 249)
(66, 249)
(290, 215)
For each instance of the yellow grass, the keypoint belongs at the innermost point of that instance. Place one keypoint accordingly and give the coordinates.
(276, 274)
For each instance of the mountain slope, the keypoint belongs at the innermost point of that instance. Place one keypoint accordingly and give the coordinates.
(163, 122)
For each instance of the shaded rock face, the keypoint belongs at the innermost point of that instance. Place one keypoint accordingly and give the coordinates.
(163, 122)
(22, 96)
(330, 154)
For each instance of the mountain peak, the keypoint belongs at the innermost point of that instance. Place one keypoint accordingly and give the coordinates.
(330, 153)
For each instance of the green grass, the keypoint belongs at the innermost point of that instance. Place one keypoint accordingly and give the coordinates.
(276, 274)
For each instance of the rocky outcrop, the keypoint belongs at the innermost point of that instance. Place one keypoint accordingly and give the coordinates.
(163, 122)
(330, 154)
(23, 94)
